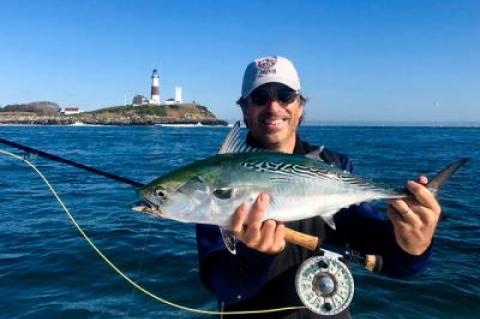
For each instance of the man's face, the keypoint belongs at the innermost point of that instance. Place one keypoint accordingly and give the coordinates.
(272, 113)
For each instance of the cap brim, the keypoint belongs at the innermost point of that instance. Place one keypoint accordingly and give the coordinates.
(266, 80)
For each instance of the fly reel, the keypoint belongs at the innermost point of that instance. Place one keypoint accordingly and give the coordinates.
(325, 284)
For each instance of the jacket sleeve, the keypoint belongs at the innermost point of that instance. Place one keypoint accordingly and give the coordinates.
(366, 230)
(231, 278)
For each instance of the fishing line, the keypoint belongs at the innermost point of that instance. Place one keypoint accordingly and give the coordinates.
(125, 276)
(140, 266)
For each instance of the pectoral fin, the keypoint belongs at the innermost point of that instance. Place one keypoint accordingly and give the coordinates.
(328, 218)
(229, 240)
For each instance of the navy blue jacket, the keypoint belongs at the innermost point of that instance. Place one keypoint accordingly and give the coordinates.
(252, 280)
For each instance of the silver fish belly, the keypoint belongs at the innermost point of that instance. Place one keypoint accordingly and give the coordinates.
(210, 190)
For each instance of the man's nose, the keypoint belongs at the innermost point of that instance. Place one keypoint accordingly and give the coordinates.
(273, 104)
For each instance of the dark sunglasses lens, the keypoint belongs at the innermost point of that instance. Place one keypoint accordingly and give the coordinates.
(286, 96)
(260, 97)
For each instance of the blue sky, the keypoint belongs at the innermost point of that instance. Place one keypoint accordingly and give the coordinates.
(358, 60)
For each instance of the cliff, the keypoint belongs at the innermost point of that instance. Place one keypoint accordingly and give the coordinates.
(40, 107)
(187, 113)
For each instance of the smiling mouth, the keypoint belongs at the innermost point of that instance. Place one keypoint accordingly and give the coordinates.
(273, 121)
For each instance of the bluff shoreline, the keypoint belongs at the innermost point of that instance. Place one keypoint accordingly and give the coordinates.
(121, 115)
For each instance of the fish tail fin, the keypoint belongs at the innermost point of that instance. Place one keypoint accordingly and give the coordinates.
(442, 176)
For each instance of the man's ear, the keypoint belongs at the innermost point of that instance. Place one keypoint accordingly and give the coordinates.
(245, 121)
(243, 106)
(302, 113)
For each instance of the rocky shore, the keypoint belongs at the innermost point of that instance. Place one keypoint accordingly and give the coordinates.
(121, 115)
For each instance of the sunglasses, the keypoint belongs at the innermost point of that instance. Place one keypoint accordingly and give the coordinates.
(283, 94)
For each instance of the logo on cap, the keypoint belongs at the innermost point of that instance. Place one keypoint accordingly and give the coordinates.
(265, 66)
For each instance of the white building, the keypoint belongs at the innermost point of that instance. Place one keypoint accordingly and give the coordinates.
(155, 94)
(139, 100)
(170, 101)
(71, 110)
(178, 94)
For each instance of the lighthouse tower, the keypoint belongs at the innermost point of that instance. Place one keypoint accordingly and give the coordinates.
(178, 94)
(155, 92)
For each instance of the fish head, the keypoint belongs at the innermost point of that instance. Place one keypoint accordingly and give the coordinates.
(178, 195)
(204, 192)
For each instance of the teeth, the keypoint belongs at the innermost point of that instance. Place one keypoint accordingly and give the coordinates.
(274, 122)
(142, 209)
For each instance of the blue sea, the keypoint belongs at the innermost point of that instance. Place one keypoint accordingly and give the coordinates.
(47, 270)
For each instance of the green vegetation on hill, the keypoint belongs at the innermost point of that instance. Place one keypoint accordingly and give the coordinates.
(39, 107)
(148, 109)
(184, 110)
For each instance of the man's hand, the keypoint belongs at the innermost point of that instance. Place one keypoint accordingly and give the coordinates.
(249, 227)
(415, 219)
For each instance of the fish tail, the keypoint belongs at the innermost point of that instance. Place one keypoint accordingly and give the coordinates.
(442, 176)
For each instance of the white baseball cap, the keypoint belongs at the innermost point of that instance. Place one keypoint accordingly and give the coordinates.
(271, 69)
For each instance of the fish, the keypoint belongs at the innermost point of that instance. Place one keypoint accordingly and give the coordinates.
(300, 186)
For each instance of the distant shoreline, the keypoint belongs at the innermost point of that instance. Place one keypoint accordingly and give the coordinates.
(191, 125)
(114, 123)
(78, 120)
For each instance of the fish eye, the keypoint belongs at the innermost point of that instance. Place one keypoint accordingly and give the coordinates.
(223, 193)
(160, 193)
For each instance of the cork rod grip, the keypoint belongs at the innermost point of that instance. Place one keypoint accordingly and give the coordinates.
(306, 241)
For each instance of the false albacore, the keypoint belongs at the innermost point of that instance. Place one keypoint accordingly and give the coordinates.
(208, 191)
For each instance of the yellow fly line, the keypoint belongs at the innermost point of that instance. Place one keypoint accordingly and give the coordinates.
(126, 277)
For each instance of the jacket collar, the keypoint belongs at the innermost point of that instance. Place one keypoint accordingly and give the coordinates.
(298, 149)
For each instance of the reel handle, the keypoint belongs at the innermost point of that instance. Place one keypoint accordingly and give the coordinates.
(372, 263)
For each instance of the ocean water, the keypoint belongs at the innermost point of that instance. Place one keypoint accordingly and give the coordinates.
(47, 270)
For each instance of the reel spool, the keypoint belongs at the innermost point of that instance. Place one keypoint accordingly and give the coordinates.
(325, 284)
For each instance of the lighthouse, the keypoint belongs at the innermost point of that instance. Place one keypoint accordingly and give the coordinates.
(155, 92)
(178, 94)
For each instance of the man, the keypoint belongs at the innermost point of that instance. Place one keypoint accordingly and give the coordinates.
(261, 274)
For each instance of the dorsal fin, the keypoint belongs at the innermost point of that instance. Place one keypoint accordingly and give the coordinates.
(233, 143)
(232, 136)
(315, 154)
